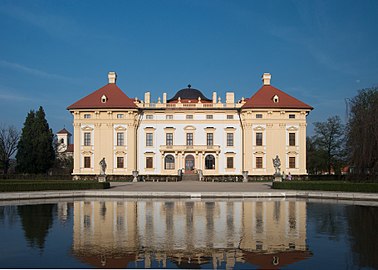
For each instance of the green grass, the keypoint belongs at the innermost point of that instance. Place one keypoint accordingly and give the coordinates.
(327, 186)
(41, 185)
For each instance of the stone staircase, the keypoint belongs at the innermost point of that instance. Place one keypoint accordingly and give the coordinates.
(190, 177)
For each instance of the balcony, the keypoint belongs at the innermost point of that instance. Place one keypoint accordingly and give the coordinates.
(190, 148)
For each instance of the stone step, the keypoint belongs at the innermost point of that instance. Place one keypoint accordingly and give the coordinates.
(189, 177)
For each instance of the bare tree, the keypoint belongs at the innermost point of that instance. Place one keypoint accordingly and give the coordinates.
(329, 138)
(9, 137)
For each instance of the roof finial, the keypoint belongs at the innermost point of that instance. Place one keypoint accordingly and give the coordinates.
(189, 86)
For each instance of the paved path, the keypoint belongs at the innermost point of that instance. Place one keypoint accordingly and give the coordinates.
(192, 187)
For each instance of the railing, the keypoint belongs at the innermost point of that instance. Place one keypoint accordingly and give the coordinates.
(190, 148)
(190, 105)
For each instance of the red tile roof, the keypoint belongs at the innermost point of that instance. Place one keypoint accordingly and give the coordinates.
(263, 98)
(63, 131)
(116, 99)
(70, 148)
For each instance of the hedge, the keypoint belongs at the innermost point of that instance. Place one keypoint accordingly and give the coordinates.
(327, 186)
(23, 185)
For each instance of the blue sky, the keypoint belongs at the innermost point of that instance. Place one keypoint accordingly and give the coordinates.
(53, 53)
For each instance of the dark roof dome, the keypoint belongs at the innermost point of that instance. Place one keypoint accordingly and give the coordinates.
(189, 94)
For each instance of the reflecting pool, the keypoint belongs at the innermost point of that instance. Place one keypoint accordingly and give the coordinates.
(210, 234)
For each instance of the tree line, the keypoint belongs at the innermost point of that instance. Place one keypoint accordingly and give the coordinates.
(354, 146)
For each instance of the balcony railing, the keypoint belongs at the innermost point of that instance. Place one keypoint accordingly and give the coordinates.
(212, 148)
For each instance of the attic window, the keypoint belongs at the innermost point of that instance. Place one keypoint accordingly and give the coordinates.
(104, 99)
(275, 99)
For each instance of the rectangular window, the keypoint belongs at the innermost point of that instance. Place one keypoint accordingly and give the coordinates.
(292, 162)
(189, 138)
(209, 116)
(119, 116)
(169, 117)
(120, 138)
(230, 116)
(230, 139)
(230, 162)
(259, 138)
(292, 116)
(149, 162)
(169, 139)
(291, 139)
(87, 138)
(87, 162)
(120, 162)
(259, 162)
(149, 139)
(209, 139)
(189, 116)
(149, 116)
(259, 115)
(87, 116)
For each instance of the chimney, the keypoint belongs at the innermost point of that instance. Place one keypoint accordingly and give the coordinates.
(147, 97)
(214, 97)
(164, 97)
(112, 76)
(266, 78)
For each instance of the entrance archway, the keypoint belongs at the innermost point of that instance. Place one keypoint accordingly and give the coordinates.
(189, 164)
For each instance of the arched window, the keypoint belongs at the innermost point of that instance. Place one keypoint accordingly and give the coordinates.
(209, 162)
(169, 162)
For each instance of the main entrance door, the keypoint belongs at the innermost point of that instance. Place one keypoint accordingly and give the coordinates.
(189, 164)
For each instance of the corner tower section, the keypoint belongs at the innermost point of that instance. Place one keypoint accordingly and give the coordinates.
(105, 125)
(274, 123)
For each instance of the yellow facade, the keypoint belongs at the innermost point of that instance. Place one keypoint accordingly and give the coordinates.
(191, 135)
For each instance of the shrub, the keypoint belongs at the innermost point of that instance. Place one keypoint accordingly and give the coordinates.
(23, 185)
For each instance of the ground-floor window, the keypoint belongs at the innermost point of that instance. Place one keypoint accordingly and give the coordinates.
(120, 162)
(259, 162)
(209, 162)
(291, 162)
(169, 162)
(149, 163)
(87, 162)
(230, 162)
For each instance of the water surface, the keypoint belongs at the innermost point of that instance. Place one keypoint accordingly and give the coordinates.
(216, 234)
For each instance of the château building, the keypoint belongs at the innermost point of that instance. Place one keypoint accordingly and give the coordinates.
(189, 132)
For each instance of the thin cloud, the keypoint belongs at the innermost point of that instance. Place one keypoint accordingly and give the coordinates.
(33, 71)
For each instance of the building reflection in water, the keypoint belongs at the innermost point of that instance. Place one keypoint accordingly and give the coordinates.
(188, 234)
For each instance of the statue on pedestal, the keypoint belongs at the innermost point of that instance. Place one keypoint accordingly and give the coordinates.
(277, 164)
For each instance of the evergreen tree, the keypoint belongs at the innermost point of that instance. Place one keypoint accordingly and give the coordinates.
(35, 147)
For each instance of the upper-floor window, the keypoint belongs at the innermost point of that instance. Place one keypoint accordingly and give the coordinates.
(189, 116)
(189, 138)
(120, 138)
(87, 138)
(230, 139)
(119, 115)
(259, 115)
(230, 116)
(169, 138)
(149, 139)
(209, 138)
(209, 116)
(149, 116)
(87, 116)
(259, 138)
(292, 139)
(169, 117)
(291, 116)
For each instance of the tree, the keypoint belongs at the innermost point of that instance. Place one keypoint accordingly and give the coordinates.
(362, 135)
(316, 158)
(329, 138)
(8, 145)
(35, 149)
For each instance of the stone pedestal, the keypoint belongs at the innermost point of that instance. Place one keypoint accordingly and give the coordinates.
(245, 176)
(135, 174)
(101, 178)
(277, 178)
